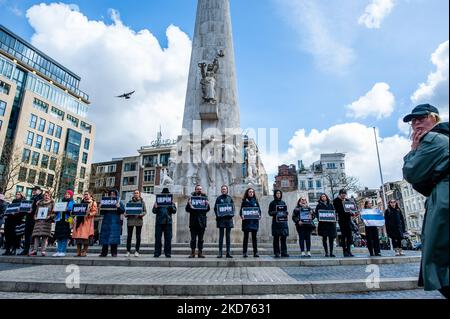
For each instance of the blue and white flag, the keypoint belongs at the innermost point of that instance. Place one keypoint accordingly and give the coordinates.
(372, 217)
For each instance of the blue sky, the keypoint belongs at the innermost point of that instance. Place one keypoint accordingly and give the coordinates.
(300, 63)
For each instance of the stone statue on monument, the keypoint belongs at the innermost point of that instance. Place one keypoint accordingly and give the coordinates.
(252, 168)
(208, 80)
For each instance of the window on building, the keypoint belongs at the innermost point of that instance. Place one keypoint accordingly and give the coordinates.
(29, 139)
(35, 159)
(4, 87)
(111, 168)
(51, 128)
(44, 161)
(129, 180)
(110, 181)
(52, 165)
(284, 183)
(318, 183)
(148, 189)
(164, 159)
(38, 143)
(1, 124)
(80, 187)
(87, 143)
(72, 120)
(130, 167)
(40, 105)
(41, 126)
(100, 169)
(48, 145)
(50, 180)
(33, 121)
(310, 185)
(55, 147)
(58, 131)
(99, 183)
(29, 193)
(31, 176)
(41, 179)
(23, 174)
(149, 176)
(19, 189)
(82, 172)
(2, 108)
(57, 113)
(302, 185)
(26, 156)
(84, 158)
(331, 165)
(150, 160)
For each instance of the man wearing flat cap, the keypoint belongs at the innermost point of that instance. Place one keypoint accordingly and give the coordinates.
(426, 168)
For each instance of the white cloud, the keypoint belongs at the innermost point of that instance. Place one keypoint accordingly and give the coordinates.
(357, 141)
(403, 127)
(112, 59)
(378, 102)
(435, 90)
(318, 32)
(375, 13)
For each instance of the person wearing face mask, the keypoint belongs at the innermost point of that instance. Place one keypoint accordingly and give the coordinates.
(327, 230)
(83, 226)
(135, 221)
(224, 223)
(304, 227)
(197, 222)
(280, 229)
(62, 225)
(250, 225)
(426, 168)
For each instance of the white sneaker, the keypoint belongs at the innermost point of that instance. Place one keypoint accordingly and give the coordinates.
(56, 255)
(127, 254)
(308, 254)
(136, 254)
(62, 255)
(303, 254)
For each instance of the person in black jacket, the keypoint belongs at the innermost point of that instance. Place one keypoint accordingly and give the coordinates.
(11, 222)
(345, 223)
(163, 225)
(395, 226)
(250, 225)
(304, 227)
(224, 222)
(29, 220)
(197, 222)
(280, 229)
(326, 229)
(372, 236)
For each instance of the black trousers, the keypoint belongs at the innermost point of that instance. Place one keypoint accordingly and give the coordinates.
(105, 250)
(254, 241)
(222, 232)
(197, 233)
(130, 237)
(29, 226)
(276, 245)
(167, 231)
(373, 240)
(346, 240)
(330, 241)
(396, 243)
(12, 240)
(304, 236)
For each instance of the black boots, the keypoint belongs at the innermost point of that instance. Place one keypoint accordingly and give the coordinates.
(192, 255)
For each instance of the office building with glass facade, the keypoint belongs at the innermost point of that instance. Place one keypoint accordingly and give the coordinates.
(46, 138)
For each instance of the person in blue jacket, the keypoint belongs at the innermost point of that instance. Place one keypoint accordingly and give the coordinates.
(62, 225)
(111, 227)
(250, 225)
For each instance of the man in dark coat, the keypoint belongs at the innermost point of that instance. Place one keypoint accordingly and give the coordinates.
(163, 225)
(224, 222)
(345, 223)
(29, 220)
(197, 222)
(280, 229)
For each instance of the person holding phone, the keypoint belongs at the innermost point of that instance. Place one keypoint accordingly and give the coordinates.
(43, 223)
(250, 225)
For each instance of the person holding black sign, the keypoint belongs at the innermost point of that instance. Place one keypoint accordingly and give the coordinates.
(395, 226)
(163, 225)
(303, 217)
(326, 229)
(197, 206)
(11, 222)
(280, 227)
(29, 220)
(83, 227)
(135, 221)
(62, 226)
(250, 224)
(111, 226)
(43, 223)
(224, 219)
(345, 223)
(372, 236)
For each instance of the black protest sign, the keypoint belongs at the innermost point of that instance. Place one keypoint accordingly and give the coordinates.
(250, 212)
(26, 206)
(108, 205)
(134, 209)
(80, 209)
(327, 216)
(282, 214)
(226, 209)
(350, 207)
(305, 215)
(164, 200)
(13, 208)
(199, 202)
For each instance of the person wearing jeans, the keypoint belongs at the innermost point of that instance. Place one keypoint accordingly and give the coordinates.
(62, 225)
(135, 221)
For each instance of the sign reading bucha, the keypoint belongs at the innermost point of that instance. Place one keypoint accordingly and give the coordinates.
(327, 216)
(108, 204)
(282, 214)
(164, 200)
(250, 212)
(372, 217)
(80, 209)
(199, 202)
(134, 209)
(225, 210)
(26, 206)
(13, 208)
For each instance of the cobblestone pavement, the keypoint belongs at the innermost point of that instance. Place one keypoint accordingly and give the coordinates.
(409, 294)
(143, 275)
